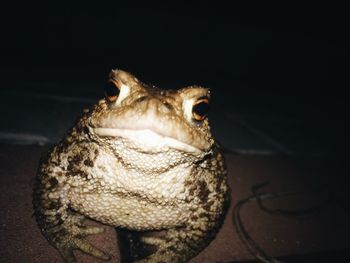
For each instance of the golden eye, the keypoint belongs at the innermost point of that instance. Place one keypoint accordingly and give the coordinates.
(200, 109)
(112, 91)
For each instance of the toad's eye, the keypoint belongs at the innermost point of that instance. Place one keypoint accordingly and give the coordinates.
(111, 91)
(200, 109)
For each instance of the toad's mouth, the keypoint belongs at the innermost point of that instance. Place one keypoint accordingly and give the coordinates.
(147, 139)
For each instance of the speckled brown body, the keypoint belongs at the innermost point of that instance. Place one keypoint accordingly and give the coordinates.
(139, 162)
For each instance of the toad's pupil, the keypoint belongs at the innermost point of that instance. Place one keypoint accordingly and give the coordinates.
(201, 109)
(111, 90)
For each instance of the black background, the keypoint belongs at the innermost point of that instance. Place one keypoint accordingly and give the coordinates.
(290, 59)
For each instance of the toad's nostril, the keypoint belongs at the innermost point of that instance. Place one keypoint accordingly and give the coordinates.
(166, 107)
(141, 99)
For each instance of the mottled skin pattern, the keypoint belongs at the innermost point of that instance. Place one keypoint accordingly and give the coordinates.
(137, 161)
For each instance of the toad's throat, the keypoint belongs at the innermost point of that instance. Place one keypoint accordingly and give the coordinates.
(147, 139)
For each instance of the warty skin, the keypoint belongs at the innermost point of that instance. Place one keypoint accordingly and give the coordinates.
(141, 159)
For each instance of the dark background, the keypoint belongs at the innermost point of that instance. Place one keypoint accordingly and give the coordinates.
(281, 59)
(299, 50)
(278, 75)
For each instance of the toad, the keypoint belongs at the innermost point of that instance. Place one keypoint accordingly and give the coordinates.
(141, 159)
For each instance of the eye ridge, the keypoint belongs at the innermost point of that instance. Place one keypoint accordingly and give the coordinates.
(111, 91)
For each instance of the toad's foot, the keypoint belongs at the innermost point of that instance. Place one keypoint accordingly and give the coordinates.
(68, 237)
(180, 244)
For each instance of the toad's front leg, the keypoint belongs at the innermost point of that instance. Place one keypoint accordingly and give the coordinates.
(61, 226)
(181, 244)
